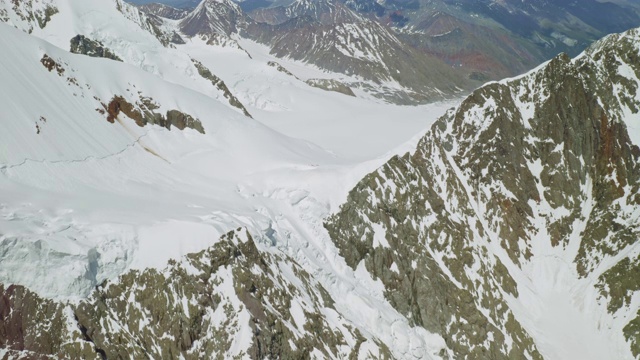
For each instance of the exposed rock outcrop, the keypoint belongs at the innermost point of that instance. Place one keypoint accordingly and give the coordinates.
(231, 300)
(281, 68)
(144, 113)
(220, 85)
(331, 85)
(80, 44)
(527, 175)
(165, 11)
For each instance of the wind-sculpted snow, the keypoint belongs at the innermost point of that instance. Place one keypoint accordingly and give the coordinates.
(513, 230)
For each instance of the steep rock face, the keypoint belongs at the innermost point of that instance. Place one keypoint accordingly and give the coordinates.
(527, 193)
(230, 300)
(217, 22)
(32, 327)
(164, 11)
(220, 85)
(82, 45)
(335, 38)
(214, 17)
(27, 14)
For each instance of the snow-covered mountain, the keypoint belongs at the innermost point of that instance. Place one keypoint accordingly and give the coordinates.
(164, 11)
(115, 167)
(498, 38)
(198, 199)
(334, 38)
(480, 39)
(513, 229)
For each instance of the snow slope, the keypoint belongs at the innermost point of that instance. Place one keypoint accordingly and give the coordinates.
(84, 200)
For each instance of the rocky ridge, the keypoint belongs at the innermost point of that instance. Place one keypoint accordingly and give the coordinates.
(83, 45)
(495, 39)
(332, 37)
(121, 48)
(229, 301)
(482, 40)
(527, 176)
(31, 14)
(164, 11)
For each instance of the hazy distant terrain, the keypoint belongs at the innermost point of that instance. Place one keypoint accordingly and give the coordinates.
(182, 4)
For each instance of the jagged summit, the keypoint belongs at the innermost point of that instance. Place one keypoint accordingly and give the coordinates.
(329, 35)
(326, 12)
(214, 17)
(192, 199)
(164, 11)
(519, 210)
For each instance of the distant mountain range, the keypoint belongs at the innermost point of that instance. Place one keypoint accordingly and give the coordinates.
(171, 188)
(180, 4)
(480, 39)
(148, 211)
(333, 37)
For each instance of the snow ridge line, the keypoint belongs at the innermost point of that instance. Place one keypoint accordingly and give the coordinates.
(5, 167)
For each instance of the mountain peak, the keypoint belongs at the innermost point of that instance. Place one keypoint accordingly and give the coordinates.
(527, 178)
(221, 17)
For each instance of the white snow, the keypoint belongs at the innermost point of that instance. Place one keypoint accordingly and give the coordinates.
(86, 200)
(379, 236)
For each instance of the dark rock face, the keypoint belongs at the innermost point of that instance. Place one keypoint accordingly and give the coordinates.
(143, 113)
(229, 300)
(164, 11)
(80, 44)
(220, 85)
(501, 38)
(537, 168)
(35, 328)
(32, 12)
(333, 37)
(331, 85)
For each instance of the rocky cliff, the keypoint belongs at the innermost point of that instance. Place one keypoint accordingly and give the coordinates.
(523, 198)
(229, 301)
(334, 38)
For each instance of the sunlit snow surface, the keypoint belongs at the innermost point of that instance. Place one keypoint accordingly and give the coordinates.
(81, 171)
(85, 200)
